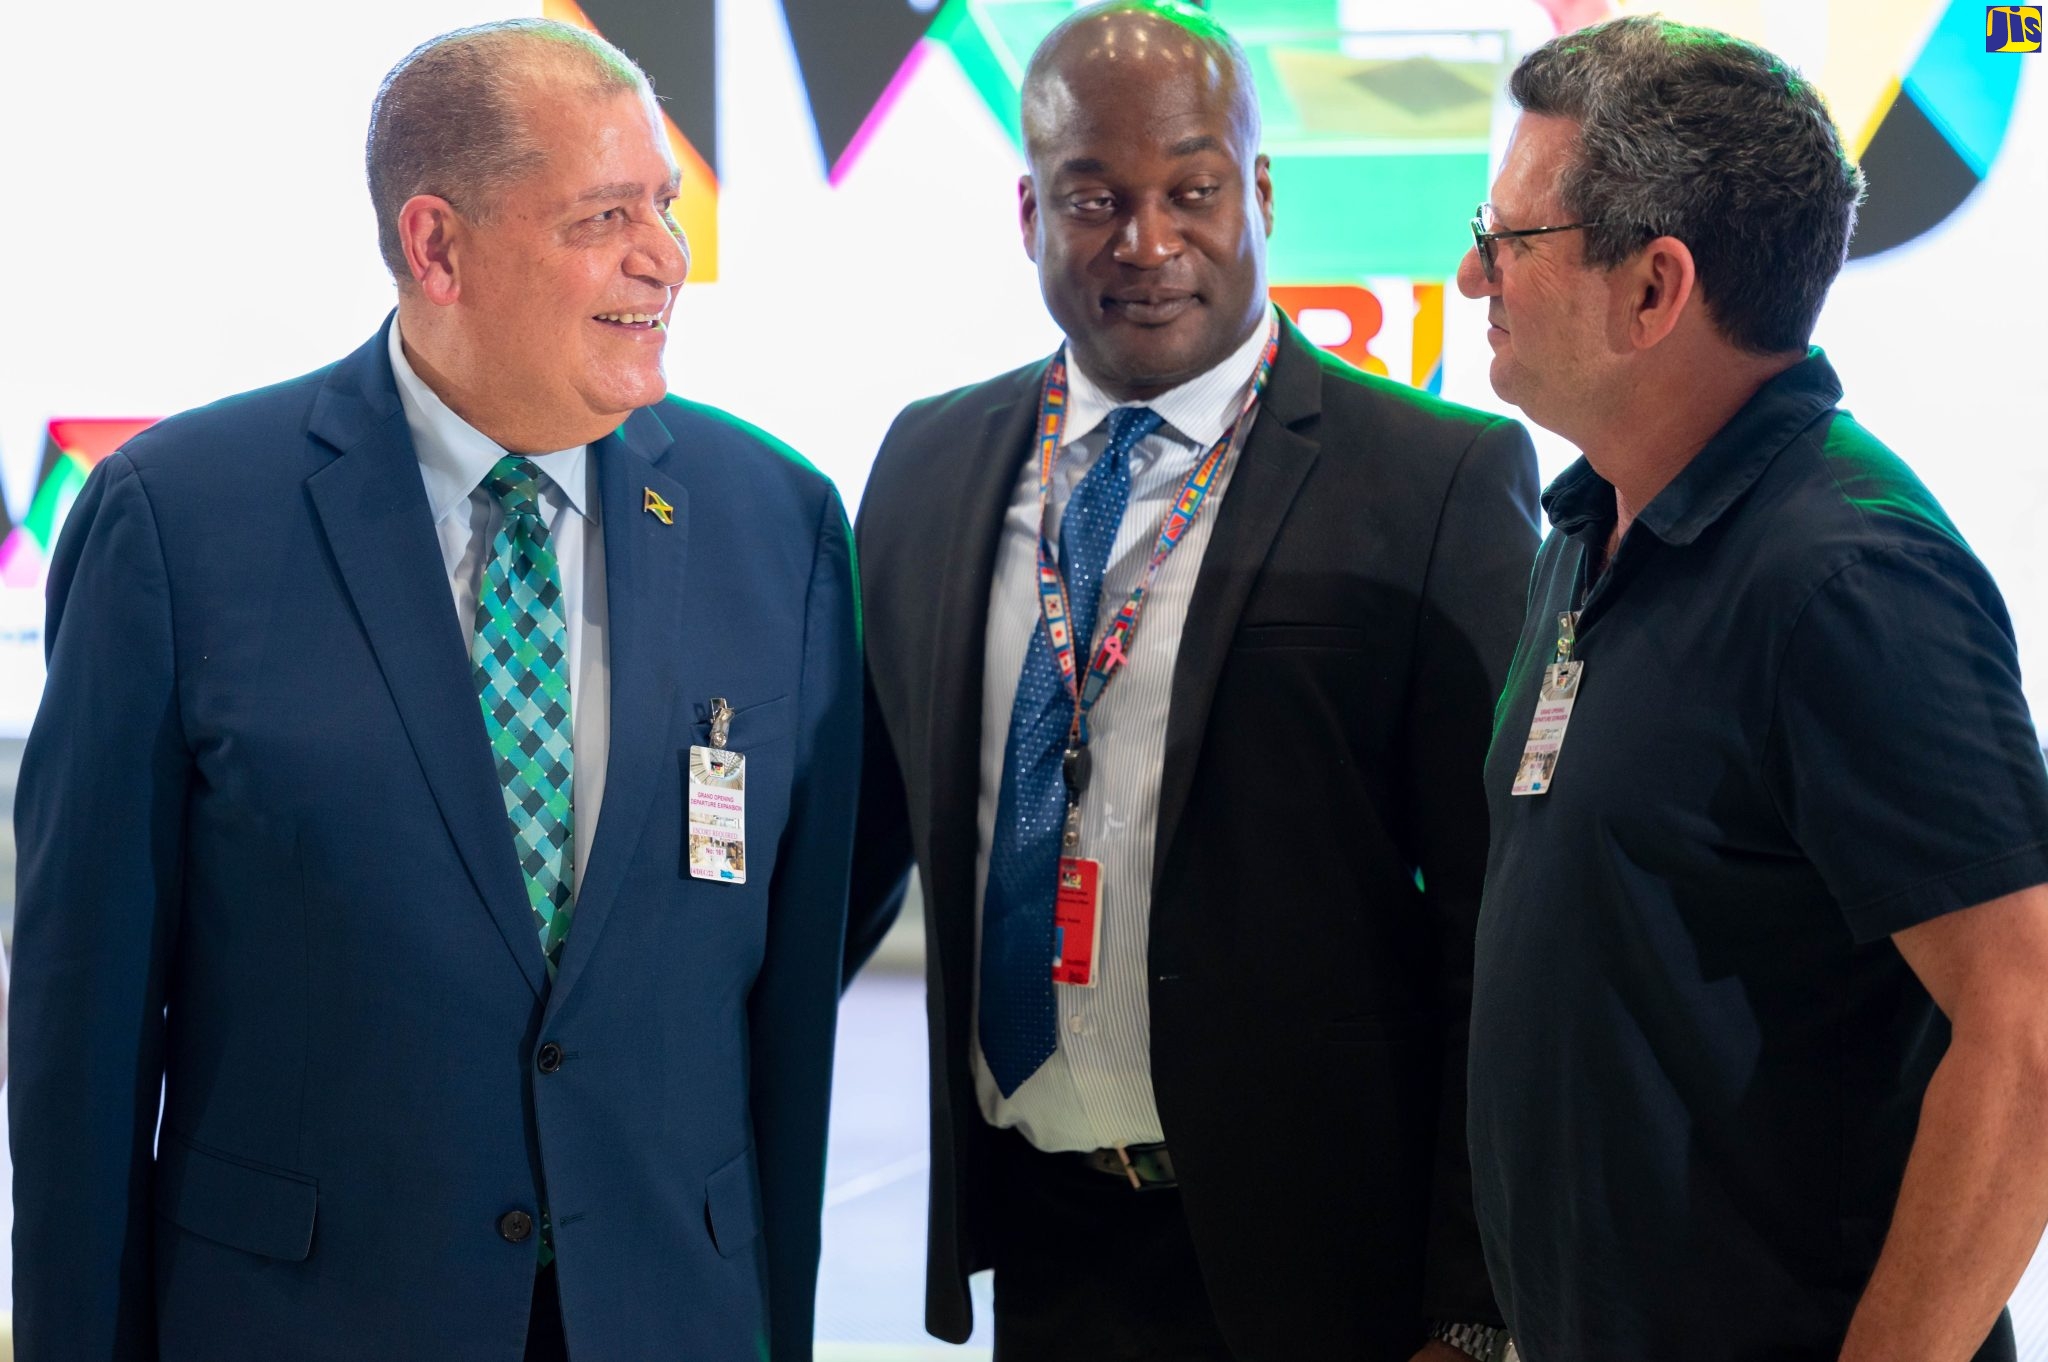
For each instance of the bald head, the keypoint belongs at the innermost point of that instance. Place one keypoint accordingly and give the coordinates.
(1148, 205)
(1121, 43)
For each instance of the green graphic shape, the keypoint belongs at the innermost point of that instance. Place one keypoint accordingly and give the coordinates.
(53, 500)
(1379, 142)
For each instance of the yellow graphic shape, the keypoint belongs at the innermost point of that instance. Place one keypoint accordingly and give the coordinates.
(697, 204)
(656, 507)
(1428, 351)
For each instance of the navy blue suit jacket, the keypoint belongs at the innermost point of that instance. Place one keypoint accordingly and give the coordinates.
(265, 868)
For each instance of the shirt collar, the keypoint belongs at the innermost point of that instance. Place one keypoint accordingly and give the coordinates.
(1722, 471)
(1199, 410)
(455, 457)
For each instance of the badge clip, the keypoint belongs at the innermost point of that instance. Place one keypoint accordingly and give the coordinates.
(721, 720)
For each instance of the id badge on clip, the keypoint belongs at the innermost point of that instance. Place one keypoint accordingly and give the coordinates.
(1533, 776)
(717, 812)
(1077, 922)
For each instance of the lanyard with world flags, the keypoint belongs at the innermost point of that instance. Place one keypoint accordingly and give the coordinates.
(1113, 651)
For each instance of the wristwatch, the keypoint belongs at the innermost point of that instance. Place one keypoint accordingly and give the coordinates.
(1478, 1341)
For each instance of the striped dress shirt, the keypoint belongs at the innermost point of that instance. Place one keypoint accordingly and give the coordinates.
(1096, 1090)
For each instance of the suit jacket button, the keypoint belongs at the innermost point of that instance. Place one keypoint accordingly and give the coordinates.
(516, 1227)
(550, 1058)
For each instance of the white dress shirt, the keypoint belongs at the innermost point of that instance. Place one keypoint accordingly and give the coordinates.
(1096, 1089)
(455, 458)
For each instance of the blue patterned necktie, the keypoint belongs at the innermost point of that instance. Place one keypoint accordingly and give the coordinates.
(1019, 1021)
(521, 653)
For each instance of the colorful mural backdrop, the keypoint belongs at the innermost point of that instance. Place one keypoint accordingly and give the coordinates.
(190, 220)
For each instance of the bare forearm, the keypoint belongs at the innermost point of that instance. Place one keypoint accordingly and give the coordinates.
(1970, 1210)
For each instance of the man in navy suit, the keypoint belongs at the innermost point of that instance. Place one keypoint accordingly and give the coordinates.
(356, 822)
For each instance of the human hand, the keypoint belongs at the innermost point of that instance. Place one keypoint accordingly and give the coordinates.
(1436, 1351)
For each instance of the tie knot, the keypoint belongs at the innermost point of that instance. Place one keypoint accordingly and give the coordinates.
(1128, 425)
(515, 482)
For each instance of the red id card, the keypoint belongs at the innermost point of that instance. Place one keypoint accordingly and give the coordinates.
(1077, 918)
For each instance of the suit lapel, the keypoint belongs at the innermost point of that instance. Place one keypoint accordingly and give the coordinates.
(373, 511)
(989, 463)
(1272, 467)
(645, 596)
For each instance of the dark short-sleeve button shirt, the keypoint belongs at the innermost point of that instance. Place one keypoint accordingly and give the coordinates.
(1697, 1058)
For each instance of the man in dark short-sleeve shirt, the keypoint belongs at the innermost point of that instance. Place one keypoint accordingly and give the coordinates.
(1759, 1032)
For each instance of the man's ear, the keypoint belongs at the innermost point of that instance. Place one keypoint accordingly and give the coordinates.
(1656, 288)
(1262, 185)
(1027, 215)
(431, 231)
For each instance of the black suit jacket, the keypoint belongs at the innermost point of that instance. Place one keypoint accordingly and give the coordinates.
(1321, 837)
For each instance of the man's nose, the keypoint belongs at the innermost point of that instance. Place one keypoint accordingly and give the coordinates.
(663, 256)
(1472, 280)
(1150, 236)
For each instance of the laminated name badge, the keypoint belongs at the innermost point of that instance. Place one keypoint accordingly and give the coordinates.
(1077, 922)
(1546, 731)
(718, 815)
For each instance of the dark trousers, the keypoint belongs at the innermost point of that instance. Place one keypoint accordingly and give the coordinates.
(1089, 1270)
(544, 1341)
(2002, 1346)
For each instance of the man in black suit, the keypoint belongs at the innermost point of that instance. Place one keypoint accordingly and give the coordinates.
(1183, 650)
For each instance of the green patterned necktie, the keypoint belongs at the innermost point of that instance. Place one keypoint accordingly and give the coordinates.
(521, 652)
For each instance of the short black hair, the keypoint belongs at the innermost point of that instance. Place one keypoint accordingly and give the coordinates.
(1692, 133)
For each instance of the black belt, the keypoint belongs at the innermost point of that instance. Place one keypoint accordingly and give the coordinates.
(1145, 1166)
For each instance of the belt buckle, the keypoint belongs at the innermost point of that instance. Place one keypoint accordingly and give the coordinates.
(1152, 1170)
(1130, 1169)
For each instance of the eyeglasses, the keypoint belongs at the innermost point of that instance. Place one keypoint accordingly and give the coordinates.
(1484, 234)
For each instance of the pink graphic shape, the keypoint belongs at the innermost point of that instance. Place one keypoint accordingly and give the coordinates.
(898, 83)
(21, 563)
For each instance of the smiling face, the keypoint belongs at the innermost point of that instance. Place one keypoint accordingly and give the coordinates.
(563, 293)
(1552, 318)
(1147, 208)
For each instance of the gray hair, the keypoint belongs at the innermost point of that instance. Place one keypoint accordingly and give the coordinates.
(1691, 133)
(449, 118)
